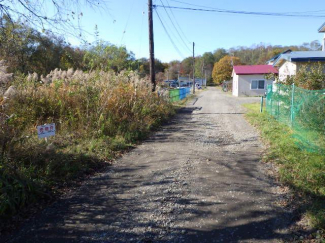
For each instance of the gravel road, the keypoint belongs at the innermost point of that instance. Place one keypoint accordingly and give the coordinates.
(198, 179)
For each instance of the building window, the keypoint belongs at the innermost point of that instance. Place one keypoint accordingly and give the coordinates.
(258, 84)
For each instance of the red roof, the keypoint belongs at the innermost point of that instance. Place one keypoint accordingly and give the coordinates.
(255, 69)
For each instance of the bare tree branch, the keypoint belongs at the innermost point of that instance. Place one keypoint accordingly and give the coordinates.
(55, 15)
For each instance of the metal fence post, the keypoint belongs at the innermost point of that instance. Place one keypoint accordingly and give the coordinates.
(292, 104)
(261, 109)
(278, 107)
(271, 101)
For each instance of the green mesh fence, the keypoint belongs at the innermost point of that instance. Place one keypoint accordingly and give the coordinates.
(174, 95)
(303, 110)
(179, 94)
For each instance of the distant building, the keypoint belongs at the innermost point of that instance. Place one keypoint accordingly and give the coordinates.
(322, 30)
(289, 63)
(187, 81)
(170, 83)
(201, 81)
(250, 80)
(272, 60)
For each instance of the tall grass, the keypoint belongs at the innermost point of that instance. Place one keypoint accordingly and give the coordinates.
(97, 115)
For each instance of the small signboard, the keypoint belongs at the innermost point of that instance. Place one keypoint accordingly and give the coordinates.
(45, 131)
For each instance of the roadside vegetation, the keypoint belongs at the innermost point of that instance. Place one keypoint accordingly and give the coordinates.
(97, 115)
(303, 171)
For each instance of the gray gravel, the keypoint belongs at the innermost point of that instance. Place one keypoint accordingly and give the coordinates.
(198, 179)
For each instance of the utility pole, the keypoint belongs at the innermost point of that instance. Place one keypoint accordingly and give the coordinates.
(179, 82)
(151, 47)
(193, 69)
(202, 74)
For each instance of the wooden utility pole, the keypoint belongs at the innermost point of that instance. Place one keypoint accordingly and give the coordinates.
(193, 69)
(151, 47)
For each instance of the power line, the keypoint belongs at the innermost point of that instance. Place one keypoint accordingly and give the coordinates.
(171, 40)
(175, 27)
(127, 22)
(312, 11)
(141, 30)
(243, 12)
(177, 23)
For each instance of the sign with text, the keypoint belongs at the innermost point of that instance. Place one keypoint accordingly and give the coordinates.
(45, 131)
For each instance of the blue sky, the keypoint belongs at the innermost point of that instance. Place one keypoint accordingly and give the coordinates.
(125, 23)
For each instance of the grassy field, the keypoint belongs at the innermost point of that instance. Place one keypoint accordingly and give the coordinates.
(303, 171)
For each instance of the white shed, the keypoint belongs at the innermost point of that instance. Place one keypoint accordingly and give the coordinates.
(249, 80)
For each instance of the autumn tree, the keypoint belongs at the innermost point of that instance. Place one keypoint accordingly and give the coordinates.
(222, 70)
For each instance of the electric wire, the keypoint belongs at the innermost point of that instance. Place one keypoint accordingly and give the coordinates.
(243, 12)
(141, 30)
(127, 22)
(312, 11)
(177, 23)
(171, 40)
(175, 28)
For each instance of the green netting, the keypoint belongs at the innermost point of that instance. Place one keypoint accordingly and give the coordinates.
(174, 95)
(303, 110)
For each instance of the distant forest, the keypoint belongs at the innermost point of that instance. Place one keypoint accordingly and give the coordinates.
(253, 55)
(26, 50)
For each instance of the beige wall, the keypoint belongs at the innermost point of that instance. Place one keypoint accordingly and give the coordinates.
(290, 68)
(287, 69)
(244, 85)
(235, 84)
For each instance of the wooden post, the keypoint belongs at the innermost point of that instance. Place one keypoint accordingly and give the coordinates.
(292, 104)
(193, 69)
(151, 47)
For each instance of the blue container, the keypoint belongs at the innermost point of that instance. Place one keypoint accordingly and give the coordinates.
(182, 93)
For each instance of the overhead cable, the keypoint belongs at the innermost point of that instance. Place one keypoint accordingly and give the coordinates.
(181, 38)
(171, 40)
(244, 12)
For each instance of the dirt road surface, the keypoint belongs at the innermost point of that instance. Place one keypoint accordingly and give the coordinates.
(198, 179)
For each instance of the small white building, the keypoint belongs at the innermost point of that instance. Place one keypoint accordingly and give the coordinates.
(249, 80)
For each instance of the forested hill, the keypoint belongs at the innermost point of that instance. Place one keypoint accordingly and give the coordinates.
(255, 54)
(259, 54)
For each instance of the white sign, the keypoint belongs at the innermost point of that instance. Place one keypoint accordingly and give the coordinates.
(46, 130)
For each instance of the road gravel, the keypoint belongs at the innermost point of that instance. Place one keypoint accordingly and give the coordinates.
(198, 179)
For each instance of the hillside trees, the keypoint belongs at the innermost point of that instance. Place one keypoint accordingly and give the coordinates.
(205, 66)
(260, 53)
(27, 50)
(106, 56)
(175, 67)
(222, 70)
(219, 53)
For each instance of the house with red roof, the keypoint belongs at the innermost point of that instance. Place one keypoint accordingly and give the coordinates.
(249, 80)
